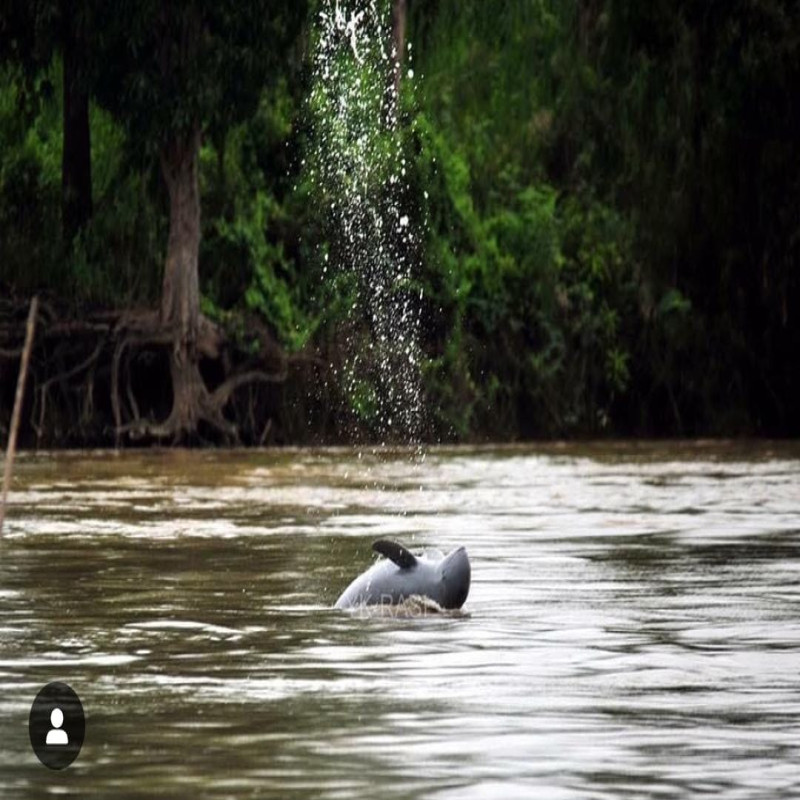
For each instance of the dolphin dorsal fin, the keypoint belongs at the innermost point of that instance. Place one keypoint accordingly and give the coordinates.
(394, 551)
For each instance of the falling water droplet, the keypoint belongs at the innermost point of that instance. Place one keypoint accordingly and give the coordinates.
(358, 170)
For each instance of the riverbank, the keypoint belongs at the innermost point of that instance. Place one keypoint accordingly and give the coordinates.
(102, 377)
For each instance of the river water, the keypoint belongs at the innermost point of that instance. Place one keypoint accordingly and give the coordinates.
(633, 628)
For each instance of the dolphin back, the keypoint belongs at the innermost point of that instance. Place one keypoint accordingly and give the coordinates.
(402, 575)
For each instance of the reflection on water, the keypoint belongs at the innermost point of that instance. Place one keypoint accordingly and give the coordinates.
(633, 628)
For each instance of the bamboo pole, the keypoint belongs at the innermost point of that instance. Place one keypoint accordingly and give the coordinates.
(17, 412)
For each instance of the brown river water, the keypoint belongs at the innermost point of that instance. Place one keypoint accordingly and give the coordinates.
(632, 631)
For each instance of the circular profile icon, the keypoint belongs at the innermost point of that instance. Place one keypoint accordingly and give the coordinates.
(57, 725)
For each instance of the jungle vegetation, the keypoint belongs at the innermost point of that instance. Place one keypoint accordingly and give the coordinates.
(609, 194)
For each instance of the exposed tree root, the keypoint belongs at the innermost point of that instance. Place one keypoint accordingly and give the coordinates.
(62, 377)
(108, 365)
(193, 402)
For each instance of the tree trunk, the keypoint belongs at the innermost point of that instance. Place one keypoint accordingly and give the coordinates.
(180, 298)
(180, 324)
(397, 48)
(180, 293)
(76, 162)
(399, 9)
(191, 334)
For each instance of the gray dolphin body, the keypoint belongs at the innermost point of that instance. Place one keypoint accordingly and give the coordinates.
(402, 575)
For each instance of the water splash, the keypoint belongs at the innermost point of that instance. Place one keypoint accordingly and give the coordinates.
(358, 169)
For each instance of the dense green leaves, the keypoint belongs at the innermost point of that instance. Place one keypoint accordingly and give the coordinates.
(610, 189)
(163, 68)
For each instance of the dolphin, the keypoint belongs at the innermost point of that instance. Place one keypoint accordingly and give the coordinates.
(402, 575)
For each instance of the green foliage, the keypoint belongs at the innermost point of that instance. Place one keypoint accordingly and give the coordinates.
(610, 196)
(255, 223)
(164, 69)
(658, 129)
(528, 287)
(29, 183)
(269, 291)
(117, 259)
(129, 227)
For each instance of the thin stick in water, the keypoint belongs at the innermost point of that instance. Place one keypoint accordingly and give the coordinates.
(17, 412)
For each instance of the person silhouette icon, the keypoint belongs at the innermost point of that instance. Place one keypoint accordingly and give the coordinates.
(57, 735)
(56, 726)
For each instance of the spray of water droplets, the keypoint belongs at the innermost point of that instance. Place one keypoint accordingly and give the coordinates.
(359, 170)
